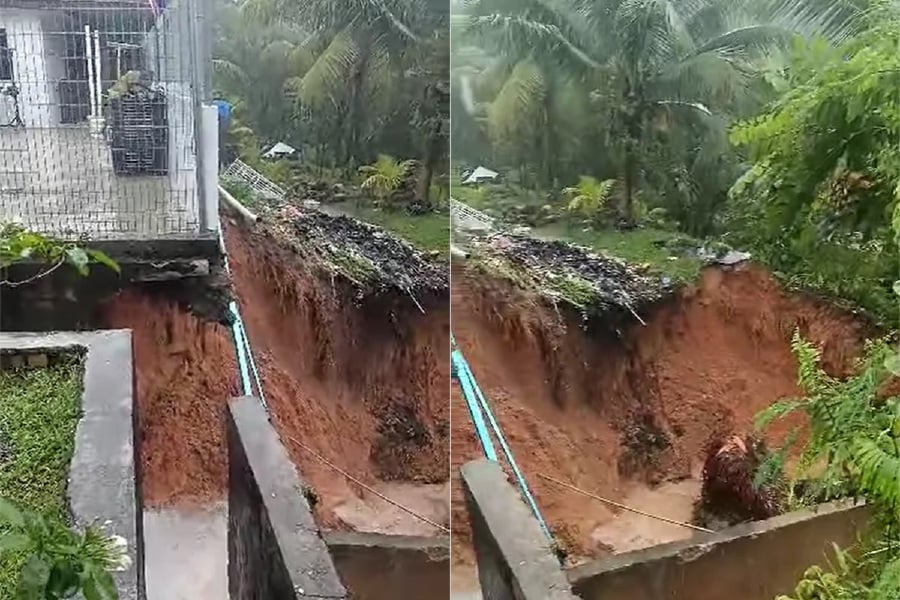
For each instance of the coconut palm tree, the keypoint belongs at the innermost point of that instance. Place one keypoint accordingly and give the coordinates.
(369, 53)
(646, 67)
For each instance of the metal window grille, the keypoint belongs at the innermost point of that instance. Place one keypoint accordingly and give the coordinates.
(77, 159)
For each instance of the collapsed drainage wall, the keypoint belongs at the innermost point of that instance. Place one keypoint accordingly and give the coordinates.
(103, 487)
(614, 414)
(274, 545)
(753, 561)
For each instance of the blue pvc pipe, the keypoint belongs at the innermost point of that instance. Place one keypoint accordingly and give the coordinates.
(244, 352)
(240, 347)
(481, 431)
(507, 451)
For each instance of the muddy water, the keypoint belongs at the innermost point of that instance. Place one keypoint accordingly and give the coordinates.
(372, 514)
(629, 531)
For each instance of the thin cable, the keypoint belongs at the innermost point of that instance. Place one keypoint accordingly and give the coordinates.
(624, 507)
(367, 487)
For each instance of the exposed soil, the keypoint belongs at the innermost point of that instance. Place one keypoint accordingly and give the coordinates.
(185, 372)
(629, 413)
(354, 370)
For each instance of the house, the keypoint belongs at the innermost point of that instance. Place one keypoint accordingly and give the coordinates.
(107, 133)
(73, 161)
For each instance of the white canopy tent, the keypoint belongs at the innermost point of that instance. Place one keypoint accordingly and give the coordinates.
(481, 174)
(279, 150)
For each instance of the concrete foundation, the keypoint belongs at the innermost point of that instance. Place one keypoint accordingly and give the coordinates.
(753, 561)
(275, 551)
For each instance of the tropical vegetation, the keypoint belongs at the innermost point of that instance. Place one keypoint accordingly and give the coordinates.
(672, 101)
(347, 83)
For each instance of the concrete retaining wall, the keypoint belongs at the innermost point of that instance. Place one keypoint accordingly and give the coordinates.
(275, 551)
(102, 481)
(391, 567)
(515, 560)
(754, 561)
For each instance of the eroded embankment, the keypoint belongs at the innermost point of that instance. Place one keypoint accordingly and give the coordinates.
(358, 374)
(619, 415)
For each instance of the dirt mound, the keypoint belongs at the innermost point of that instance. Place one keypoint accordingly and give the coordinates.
(359, 376)
(607, 411)
(372, 257)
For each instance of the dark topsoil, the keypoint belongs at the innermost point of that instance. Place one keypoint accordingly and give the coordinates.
(376, 260)
(601, 288)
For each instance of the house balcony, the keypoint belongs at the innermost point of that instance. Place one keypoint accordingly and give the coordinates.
(84, 156)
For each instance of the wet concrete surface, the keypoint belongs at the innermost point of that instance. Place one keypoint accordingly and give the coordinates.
(186, 553)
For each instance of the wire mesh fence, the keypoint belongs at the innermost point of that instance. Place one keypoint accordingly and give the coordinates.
(238, 171)
(99, 116)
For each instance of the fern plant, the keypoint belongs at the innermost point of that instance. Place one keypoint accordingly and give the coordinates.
(590, 196)
(854, 433)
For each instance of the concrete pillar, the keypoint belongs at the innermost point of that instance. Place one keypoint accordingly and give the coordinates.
(515, 560)
(209, 146)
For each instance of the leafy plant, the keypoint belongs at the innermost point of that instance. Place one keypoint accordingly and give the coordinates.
(17, 244)
(61, 563)
(590, 196)
(816, 201)
(385, 176)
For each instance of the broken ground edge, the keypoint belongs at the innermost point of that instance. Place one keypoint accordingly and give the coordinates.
(102, 488)
(372, 258)
(604, 293)
(189, 271)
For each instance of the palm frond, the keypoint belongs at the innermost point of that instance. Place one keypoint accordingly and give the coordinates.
(518, 105)
(520, 35)
(330, 70)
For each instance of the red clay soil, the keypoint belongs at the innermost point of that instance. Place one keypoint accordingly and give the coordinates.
(184, 373)
(603, 414)
(362, 382)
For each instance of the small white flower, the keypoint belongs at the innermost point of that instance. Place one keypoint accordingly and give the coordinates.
(118, 550)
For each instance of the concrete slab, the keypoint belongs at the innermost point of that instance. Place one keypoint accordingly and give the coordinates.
(186, 553)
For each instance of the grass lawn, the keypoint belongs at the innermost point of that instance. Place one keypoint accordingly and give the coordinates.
(39, 409)
(639, 246)
(426, 232)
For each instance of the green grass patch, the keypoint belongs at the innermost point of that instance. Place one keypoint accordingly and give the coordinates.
(429, 232)
(654, 247)
(39, 410)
